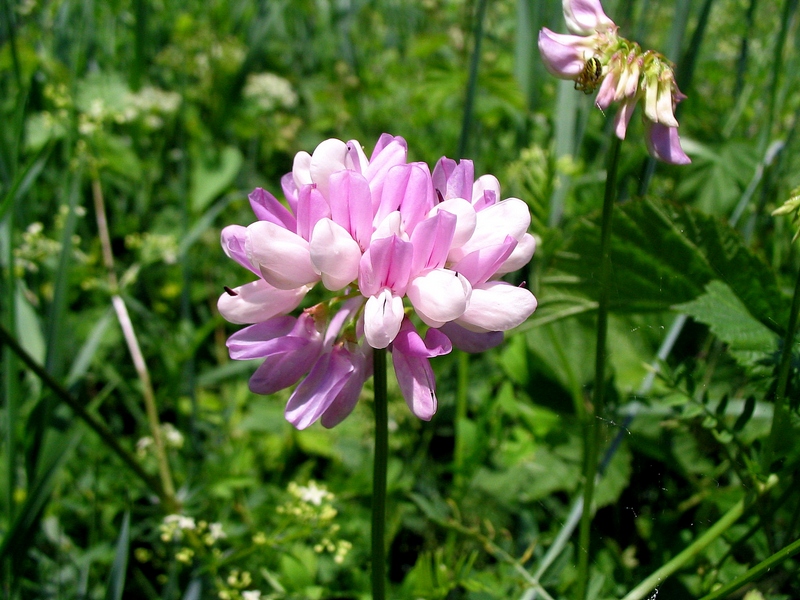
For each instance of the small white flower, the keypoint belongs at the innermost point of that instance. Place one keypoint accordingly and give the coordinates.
(251, 595)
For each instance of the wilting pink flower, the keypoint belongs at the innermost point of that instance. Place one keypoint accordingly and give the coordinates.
(595, 56)
(391, 240)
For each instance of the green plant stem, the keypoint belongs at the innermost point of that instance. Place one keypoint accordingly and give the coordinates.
(695, 548)
(592, 422)
(93, 422)
(379, 476)
(755, 572)
(780, 417)
(461, 415)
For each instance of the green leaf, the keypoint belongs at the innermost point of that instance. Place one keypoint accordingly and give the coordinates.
(729, 319)
(663, 255)
(116, 579)
(211, 177)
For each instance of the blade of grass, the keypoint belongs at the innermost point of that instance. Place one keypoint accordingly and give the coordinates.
(91, 420)
(696, 547)
(16, 539)
(24, 180)
(116, 578)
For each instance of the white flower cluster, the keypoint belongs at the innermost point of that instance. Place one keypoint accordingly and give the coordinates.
(171, 436)
(269, 91)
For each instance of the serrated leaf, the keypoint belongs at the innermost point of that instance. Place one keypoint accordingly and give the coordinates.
(729, 319)
(664, 254)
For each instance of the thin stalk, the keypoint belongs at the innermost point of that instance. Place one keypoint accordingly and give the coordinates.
(132, 341)
(92, 421)
(750, 575)
(379, 476)
(695, 548)
(593, 422)
(780, 417)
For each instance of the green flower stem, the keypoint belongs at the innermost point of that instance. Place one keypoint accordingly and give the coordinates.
(780, 417)
(92, 421)
(592, 422)
(379, 476)
(755, 572)
(461, 415)
(694, 549)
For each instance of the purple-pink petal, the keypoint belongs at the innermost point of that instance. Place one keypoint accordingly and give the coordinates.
(564, 55)
(664, 144)
(453, 179)
(267, 208)
(262, 339)
(585, 17)
(386, 263)
(233, 239)
(479, 266)
(346, 400)
(319, 389)
(431, 240)
(471, 341)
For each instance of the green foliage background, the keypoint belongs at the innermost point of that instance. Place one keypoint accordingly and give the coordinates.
(175, 111)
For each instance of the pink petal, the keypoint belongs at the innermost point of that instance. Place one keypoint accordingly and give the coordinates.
(466, 219)
(520, 257)
(431, 240)
(351, 205)
(281, 256)
(386, 263)
(623, 117)
(480, 265)
(413, 370)
(258, 301)
(311, 207)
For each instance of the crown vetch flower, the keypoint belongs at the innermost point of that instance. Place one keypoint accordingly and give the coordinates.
(391, 241)
(595, 56)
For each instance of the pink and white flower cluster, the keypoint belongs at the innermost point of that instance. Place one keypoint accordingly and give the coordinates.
(392, 240)
(595, 55)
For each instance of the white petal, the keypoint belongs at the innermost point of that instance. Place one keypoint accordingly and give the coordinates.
(335, 254)
(329, 157)
(439, 296)
(383, 315)
(497, 306)
(300, 169)
(509, 217)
